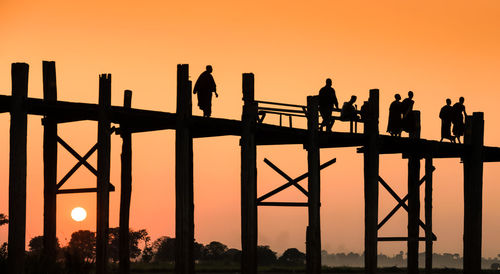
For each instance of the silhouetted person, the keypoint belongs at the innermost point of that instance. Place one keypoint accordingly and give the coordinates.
(327, 100)
(408, 121)
(348, 112)
(204, 87)
(458, 110)
(395, 117)
(446, 115)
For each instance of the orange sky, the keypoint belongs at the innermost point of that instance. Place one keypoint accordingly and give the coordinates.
(438, 49)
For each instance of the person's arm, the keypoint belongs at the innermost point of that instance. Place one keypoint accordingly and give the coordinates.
(465, 113)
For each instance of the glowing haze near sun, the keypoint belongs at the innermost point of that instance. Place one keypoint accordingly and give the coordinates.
(78, 214)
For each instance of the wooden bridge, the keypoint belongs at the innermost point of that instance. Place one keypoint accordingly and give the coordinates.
(253, 132)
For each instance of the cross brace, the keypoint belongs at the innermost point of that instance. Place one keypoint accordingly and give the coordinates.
(401, 203)
(81, 161)
(291, 182)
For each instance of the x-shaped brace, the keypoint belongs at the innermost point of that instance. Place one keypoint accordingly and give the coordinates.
(291, 181)
(81, 161)
(402, 202)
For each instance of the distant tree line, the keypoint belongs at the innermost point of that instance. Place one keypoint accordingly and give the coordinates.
(79, 255)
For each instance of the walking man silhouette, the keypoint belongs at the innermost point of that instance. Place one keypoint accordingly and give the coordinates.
(327, 100)
(458, 111)
(204, 87)
(446, 115)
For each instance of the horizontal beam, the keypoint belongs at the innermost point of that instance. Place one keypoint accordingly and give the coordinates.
(148, 120)
(290, 204)
(399, 239)
(82, 190)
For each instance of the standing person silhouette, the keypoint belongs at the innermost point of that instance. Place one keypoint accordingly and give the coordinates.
(406, 110)
(446, 115)
(458, 111)
(204, 87)
(327, 100)
(394, 124)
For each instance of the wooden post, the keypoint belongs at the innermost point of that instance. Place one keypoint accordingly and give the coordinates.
(103, 169)
(413, 201)
(313, 234)
(248, 178)
(371, 175)
(473, 192)
(126, 189)
(17, 169)
(49, 165)
(428, 215)
(184, 205)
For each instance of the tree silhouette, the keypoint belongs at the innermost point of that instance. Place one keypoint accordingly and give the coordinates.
(214, 251)
(82, 244)
(164, 249)
(292, 257)
(3, 219)
(265, 256)
(134, 238)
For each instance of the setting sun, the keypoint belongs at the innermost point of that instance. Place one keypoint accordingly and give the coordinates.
(78, 214)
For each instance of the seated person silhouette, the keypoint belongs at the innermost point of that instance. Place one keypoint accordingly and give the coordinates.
(348, 112)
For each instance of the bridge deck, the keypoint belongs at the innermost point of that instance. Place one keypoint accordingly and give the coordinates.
(139, 120)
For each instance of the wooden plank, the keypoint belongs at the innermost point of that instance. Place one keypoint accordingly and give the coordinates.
(77, 190)
(103, 173)
(17, 169)
(473, 193)
(49, 166)
(399, 239)
(429, 168)
(248, 178)
(371, 176)
(125, 191)
(414, 201)
(284, 204)
(184, 205)
(313, 233)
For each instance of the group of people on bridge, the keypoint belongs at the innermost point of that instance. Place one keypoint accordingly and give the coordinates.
(401, 116)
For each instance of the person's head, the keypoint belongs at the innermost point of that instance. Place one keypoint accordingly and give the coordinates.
(328, 82)
(410, 94)
(209, 68)
(448, 101)
(461, 100)
(353, 99)
(397, 96)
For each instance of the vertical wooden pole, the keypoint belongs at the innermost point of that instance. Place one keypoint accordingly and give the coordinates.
(103, 170)
(313, 234)
(126, 189)
(428, 215)
(49, 165)
(17, 169)
(413, 201)
(248, 178)
(184, 205)
(473, 192)
(371, 175)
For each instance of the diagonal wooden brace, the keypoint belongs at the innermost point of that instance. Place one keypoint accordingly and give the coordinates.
(78, 165)
(401, 203)
(290, 180)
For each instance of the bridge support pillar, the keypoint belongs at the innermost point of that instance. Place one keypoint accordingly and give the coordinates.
(126, 190)
(49, 167)
(17, 169)
(184, 204)
(103, 173)
(473, 192)
(313, 233)
(428, 215)
(371, 175)
(413, 200)
(248, 178)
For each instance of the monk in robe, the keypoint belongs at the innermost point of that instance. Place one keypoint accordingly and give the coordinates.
(204, 87)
